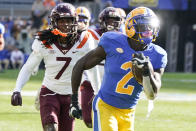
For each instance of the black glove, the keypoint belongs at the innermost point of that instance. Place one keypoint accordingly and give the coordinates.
(16, 99)
(74, 110)
(141, 61)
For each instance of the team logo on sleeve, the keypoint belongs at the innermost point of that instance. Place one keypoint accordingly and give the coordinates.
(119, 50)
(74, 51)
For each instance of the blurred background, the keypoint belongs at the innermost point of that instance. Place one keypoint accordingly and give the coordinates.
(22, 18)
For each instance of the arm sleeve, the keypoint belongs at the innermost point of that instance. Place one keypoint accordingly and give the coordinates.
(161, 60)
(105, 42)
(164, 61)
(25, 73)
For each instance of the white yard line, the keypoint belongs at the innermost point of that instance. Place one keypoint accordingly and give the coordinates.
(23, 93)
(161, 96)
(179, 80)
(173, 97)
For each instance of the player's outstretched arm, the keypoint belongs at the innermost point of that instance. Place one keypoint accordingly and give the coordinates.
(90, 60)
(23, 77)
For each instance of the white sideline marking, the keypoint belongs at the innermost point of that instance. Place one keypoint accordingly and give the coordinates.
(23, 93)
(180, 80)
(173, 97)
(161, 96)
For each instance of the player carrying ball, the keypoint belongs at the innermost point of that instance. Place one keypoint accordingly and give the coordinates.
(114, 105)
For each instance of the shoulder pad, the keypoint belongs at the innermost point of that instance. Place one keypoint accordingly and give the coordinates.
(160, 50)
(37, 45)
(83, 38)
(95, 35)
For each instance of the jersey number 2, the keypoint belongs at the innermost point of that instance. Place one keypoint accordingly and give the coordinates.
(68, 60)
(120, 88)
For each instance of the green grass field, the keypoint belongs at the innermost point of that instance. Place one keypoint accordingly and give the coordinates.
(167, 115)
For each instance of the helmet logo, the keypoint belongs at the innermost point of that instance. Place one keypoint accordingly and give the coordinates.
(142, 23)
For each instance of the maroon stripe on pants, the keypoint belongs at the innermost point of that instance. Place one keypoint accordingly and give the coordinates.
(54, 108)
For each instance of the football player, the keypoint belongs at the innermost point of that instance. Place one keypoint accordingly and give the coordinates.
(84, 18)
(86, 91)
(2, 41)
(60, 47)
(123, 17)
(114, 105)
(109, 20)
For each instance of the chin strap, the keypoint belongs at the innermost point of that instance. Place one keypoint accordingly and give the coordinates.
(110, 27)
(139, 40)
(134, 39)
(145, 40)
(58, 32)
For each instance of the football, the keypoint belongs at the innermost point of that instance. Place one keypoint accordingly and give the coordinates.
(138, 71)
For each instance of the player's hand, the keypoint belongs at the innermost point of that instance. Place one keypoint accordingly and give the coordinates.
(74, 110)
(16, 99)
(141, 61)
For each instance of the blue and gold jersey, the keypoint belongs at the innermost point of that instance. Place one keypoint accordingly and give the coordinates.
(119, 88)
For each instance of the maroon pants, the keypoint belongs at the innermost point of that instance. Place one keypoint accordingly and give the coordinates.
(87, 95)
(54, 108)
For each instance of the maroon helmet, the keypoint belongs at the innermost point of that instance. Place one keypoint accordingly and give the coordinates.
(110, 19)
(64, 10)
